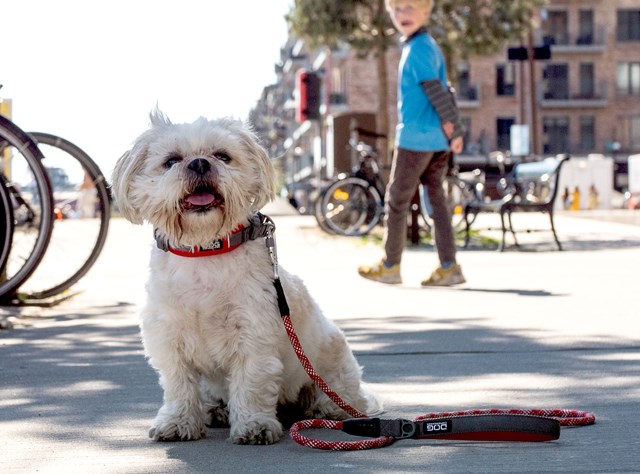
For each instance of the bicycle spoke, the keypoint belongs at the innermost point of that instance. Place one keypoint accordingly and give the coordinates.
(81, 208)
(351, 206)
(31, 205)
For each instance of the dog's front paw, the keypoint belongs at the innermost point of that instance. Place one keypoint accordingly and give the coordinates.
(257, 432)
(171, 429)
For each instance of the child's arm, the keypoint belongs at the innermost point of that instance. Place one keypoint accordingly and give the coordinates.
(444, 102)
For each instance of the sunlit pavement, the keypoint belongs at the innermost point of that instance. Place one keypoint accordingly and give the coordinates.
(532, 327)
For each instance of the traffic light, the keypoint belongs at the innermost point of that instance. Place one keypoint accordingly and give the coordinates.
(308, 98)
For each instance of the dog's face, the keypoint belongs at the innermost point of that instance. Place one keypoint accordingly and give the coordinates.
(193, 182)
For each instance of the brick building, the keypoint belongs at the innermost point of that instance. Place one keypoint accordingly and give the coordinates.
(585, 98)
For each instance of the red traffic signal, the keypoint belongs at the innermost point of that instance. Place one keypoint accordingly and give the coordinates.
(308, 98)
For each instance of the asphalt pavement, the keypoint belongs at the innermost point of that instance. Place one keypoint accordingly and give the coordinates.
(532, 328)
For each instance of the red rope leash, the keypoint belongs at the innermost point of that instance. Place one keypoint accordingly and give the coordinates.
(295, 342)
(370, 443)
(565, 417)
(391, 430)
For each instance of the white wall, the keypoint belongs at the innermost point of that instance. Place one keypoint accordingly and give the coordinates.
(634, 173)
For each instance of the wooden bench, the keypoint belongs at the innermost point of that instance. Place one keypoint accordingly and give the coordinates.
(530, 187)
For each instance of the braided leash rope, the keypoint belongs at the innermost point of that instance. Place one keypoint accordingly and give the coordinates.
(302, 357)
(564, 417)
(359, 445)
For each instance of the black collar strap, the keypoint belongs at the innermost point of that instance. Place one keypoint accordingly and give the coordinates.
(259, 226)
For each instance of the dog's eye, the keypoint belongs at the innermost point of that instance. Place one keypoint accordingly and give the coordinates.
(172, 160)
(222, 156)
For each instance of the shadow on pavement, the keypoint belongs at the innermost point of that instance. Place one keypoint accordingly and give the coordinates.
(83, 375)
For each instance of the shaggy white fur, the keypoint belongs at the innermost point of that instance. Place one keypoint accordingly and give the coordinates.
(211, 325)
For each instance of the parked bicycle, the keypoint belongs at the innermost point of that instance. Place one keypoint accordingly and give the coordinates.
(55, 213)
(353, 204)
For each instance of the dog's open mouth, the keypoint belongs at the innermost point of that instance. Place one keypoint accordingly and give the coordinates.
(202, 199)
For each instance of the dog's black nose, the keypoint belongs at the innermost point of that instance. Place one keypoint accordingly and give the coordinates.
(200, 166)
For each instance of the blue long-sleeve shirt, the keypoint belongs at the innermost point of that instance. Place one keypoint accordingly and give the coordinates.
(419, 127)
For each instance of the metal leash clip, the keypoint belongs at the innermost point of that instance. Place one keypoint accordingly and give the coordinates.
(270, 241)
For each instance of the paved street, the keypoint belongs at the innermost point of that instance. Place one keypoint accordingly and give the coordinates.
(531, 328)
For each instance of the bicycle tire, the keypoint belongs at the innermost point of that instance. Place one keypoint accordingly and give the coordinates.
(457, 194)
(79, 232)
(6, 224)
(352, 207)
(32, 204)
(319, 214)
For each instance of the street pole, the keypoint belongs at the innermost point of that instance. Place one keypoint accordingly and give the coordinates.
(523, 111)
(533, 98)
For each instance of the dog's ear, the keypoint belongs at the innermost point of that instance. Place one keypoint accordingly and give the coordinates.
(265, 190)
(131, 164)
(127, 168)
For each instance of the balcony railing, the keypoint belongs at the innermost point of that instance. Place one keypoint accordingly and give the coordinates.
(468, 96)
(579, 43)
(553, 97)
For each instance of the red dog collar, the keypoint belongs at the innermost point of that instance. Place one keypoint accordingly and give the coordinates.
(258, 226)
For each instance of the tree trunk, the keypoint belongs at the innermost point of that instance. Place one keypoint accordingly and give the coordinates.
(382, 115)
(382, 118)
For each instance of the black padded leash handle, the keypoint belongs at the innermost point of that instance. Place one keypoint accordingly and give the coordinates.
(470, 428)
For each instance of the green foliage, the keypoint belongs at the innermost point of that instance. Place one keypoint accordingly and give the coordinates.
(363, 24)
(462, 28)
(465, 28)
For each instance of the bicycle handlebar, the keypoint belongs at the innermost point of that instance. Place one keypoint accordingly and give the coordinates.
(369, 133)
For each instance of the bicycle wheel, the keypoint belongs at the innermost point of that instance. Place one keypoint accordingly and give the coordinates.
(319, 214)
(457, 194)
(351, 206)
(6, 224)
(82, 208)
(32, 206)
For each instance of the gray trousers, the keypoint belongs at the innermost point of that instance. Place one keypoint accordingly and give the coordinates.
(408, 170)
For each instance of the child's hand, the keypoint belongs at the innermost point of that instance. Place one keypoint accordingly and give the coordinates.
(457, 145)
(447, 128)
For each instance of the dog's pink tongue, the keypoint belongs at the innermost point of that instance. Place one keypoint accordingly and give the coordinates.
(200, 199)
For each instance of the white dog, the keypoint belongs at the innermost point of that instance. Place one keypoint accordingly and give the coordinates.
(211, 326)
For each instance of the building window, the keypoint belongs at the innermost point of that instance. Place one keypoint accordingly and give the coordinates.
(556, 81)
(556, 134)
(634, 132)
(338, 93)
(585, 27)
(628, 79)
(505, 79)
(555, 28)
(587, 133)
(503, 132)
(464, 89)
(587, 86)
(628, 25)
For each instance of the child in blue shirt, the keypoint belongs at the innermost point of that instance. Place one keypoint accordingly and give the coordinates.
(428, 130)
